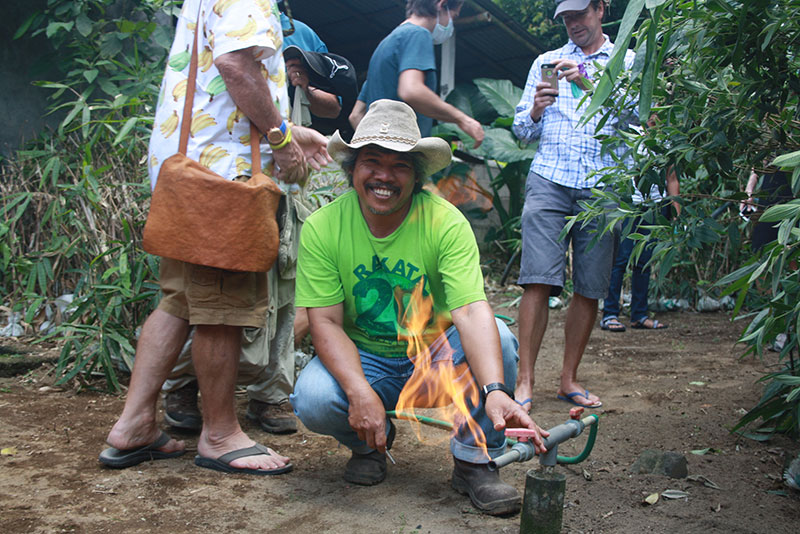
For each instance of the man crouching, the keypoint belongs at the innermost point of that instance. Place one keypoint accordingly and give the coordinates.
(361, 257)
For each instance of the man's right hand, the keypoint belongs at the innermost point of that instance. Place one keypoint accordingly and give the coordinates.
(473, 129)
(545, 96)
(367, 417)
(290, 163)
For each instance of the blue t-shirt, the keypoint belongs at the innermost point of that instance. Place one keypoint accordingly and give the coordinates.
(408, 47)
(303, 37)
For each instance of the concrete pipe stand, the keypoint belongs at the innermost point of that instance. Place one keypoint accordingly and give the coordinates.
(543, 502)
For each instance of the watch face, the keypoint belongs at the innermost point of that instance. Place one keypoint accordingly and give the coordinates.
(275, 136)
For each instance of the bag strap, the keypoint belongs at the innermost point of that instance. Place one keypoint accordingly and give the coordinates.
(188, 103)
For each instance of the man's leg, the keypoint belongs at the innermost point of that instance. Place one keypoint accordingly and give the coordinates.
(321, 404)
(270, 373)
(163, 336)
(533, 317)
(541, 269)
(578, 325)
(591, 272)
(471, 474)
(611, 305)
(180, 393)
(215, 353)
(268, 396)
(640, 281)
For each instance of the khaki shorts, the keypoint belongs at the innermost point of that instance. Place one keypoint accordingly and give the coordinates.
(205, 295)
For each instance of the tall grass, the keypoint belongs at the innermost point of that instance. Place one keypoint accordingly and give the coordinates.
(73, 202)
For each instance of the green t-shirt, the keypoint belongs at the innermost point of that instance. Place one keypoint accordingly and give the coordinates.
(340, 261)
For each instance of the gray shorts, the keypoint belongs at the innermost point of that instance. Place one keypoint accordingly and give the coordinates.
(544, 255)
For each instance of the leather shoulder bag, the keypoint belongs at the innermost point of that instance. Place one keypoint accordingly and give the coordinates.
(197, 216)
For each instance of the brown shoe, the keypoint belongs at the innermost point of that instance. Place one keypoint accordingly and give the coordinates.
(485, 489)
(272, 418)
(180, 408)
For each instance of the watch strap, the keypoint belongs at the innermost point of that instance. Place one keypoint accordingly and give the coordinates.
(494, 386)
(286, 140)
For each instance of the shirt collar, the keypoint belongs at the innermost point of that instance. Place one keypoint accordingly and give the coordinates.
(605, 49)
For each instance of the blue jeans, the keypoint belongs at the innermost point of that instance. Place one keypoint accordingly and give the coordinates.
(321, 404)
(640, 279)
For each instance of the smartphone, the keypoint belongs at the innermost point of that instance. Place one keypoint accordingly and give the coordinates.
(550, 75)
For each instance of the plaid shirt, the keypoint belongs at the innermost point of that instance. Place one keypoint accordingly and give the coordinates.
(567, 152)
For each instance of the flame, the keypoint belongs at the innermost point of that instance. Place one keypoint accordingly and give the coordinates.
(450, 388)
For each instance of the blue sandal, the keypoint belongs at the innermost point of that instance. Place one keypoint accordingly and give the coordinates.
(570, 398)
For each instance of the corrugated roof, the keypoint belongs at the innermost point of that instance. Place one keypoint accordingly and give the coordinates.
(489, 43)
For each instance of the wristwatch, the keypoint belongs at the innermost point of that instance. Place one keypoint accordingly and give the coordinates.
(279, 136)
(488, 388)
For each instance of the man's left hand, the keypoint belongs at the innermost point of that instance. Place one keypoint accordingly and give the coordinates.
(504, 412)
(568, 68)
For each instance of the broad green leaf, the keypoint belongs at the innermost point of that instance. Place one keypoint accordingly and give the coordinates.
(55, 27)
(502, 145)
(90, 75)
(501, 94)
(110, 44)
(84, 25)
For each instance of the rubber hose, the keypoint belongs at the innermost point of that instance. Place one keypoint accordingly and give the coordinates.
(510, 321)
(587, 449)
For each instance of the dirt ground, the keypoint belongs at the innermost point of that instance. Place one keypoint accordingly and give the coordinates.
(675, 390)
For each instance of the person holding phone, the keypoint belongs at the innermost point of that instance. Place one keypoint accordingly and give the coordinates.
(560, 177)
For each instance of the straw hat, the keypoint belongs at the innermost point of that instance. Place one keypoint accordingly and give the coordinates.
(393, 125)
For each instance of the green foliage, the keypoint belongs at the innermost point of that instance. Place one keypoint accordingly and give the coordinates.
(721, 79)
(73, 203)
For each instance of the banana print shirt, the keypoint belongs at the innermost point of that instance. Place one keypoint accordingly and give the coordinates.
(220, 133)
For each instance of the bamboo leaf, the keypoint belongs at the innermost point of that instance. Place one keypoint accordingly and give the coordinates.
(617, 60)
(125, 130)
(781, 212)
(787, 161)
(26, 24)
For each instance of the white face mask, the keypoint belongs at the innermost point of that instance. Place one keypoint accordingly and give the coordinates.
(443, 33)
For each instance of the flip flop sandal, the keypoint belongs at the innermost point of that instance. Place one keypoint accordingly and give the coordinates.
(642, 325)
(121, 458)
(524, 402)
(223, 463)
(612, 324)
(570, 398)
